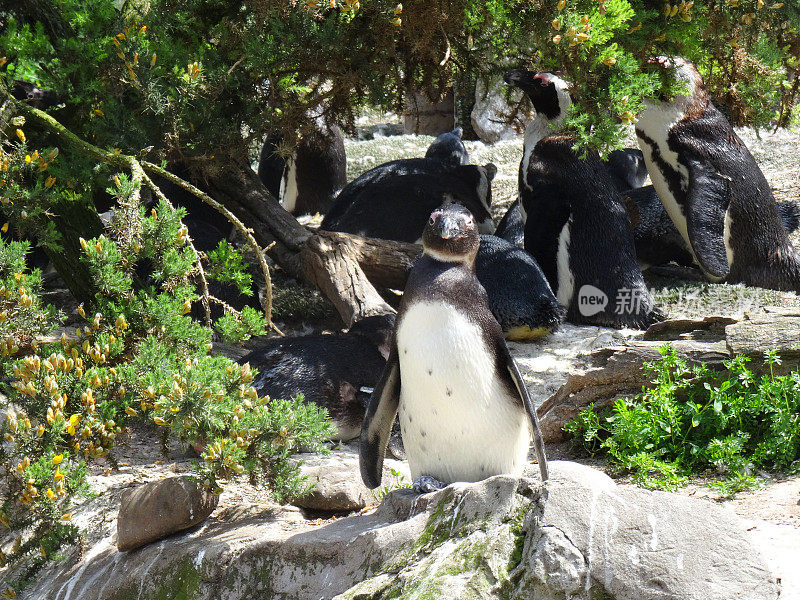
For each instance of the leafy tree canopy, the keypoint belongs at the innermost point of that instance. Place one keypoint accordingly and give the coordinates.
(204, 80)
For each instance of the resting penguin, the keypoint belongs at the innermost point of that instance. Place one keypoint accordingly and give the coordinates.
(658, 241)
(449, 149)
(309, 180)
(331, 371)
(446, 153)
(713, 189)
(465, 413)
(578, 229)
(519, 296)
(397, 206)
(627, 168)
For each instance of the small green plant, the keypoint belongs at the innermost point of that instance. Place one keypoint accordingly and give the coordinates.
(695, 419)
(398, 482)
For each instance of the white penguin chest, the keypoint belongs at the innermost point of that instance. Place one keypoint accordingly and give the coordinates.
(656, 122)
(459, 422)
(288, 191)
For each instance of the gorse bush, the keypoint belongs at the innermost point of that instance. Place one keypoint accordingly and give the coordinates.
(137, 354)
(695, 419)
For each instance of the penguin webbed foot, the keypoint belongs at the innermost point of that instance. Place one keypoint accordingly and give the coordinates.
(425, 484)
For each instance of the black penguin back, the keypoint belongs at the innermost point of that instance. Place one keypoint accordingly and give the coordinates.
(519, 296)
(600, 246)
(512, 226)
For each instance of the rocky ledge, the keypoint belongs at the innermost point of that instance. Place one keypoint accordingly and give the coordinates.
(578, 536)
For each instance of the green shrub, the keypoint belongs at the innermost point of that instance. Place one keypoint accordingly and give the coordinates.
(136, 355)
(695, 419)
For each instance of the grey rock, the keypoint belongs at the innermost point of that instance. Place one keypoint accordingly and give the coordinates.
(578, 536)
(157, 509)
(493, 117)
(338, 485)
(424, 117)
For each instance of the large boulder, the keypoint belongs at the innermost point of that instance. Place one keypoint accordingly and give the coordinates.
(155, 510)
(578, 536)
(493, 117)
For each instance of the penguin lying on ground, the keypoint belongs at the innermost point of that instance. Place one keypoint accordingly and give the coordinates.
(446, 153)
(626, 168)
(332, 371)
(397, 206)
(658, 241)
(309, 180)
(465, 413)
(578, 229)
(519, 296)
(713, 189)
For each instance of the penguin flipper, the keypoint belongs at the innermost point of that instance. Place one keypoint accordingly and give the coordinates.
(522, 391)
(708, 201)
(378, 421)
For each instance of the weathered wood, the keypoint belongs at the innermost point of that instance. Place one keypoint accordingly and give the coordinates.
(331, 264)
(755, 336)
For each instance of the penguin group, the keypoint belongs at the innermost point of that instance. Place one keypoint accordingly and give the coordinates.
(572, 247)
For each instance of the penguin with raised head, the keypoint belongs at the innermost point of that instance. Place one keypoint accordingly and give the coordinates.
(465, 413)
(713, 189)
(578, 229)
(397, 206)
(309, 180)
(449, 149)
(519, 296)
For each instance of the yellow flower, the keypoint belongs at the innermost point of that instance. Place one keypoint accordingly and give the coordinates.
(49, 181)
(51, 494)
(4, 228)
(561, 4)
(28, 159)
(556, 24)
(21, 135)
(610, 61)
(58, 458)
(66, 516)
(397, 21)
(130, 411)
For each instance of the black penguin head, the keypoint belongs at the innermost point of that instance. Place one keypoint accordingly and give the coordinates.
(451, 235)
(547, 91)
(449, 149)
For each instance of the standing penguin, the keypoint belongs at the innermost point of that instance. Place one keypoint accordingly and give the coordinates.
(465, 413)
(309, 180)
(579, 231)
(713, 189)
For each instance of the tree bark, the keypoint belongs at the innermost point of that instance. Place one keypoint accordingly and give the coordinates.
(345, 268)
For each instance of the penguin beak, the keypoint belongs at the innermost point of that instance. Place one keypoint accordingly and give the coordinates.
(447, 226)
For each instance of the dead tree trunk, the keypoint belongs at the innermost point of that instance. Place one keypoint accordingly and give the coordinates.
(345, 268)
